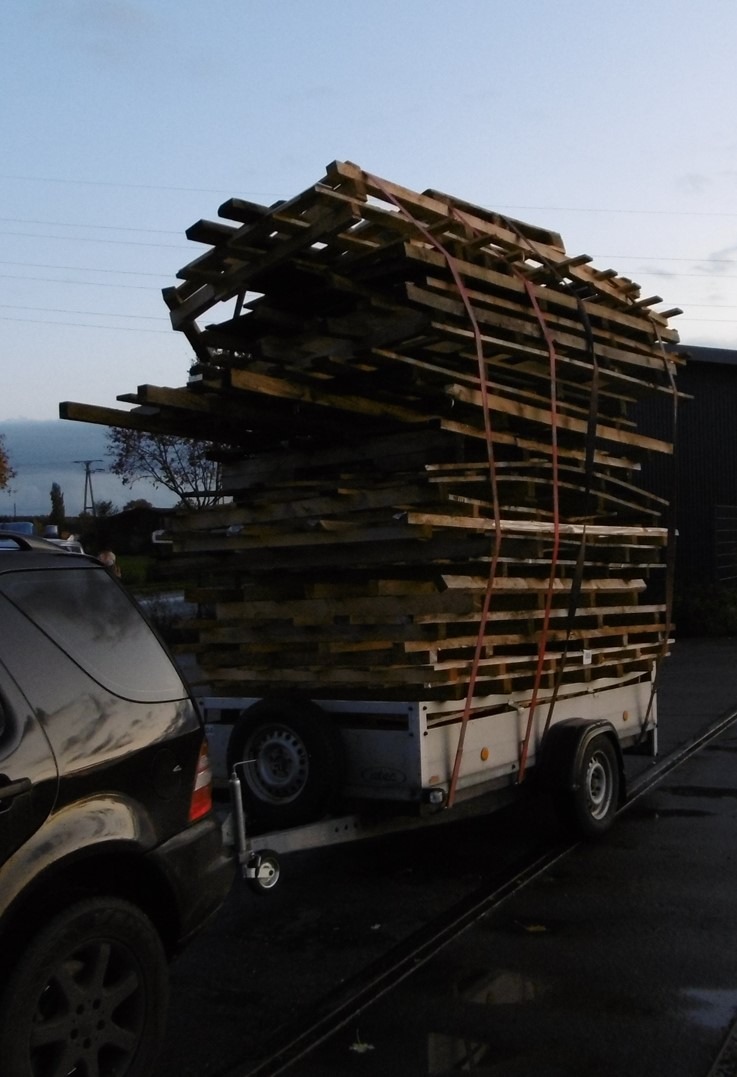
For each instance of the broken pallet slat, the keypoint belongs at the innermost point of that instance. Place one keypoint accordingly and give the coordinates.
(399, 384)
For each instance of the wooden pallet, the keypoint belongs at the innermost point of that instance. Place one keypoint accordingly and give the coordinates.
(423, 409)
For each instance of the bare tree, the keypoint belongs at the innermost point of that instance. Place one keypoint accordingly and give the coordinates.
(178, 464)
(7, 473)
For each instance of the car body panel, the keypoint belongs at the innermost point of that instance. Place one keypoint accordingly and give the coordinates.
(27, 764)
(100, 742)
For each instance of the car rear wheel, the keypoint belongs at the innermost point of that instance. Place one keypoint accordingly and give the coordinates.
(88, 996)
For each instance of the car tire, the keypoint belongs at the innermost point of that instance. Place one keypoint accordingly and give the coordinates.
(88, 995)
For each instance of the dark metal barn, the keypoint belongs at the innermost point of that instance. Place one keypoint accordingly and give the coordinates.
(704, 479)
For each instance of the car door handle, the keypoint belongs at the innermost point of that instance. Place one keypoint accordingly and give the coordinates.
(14, 789)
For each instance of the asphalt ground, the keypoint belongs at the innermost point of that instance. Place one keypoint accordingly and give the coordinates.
(620, 960)
(698, 685)
(616, 961)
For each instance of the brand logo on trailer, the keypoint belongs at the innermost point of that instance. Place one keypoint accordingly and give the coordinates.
(383, 776)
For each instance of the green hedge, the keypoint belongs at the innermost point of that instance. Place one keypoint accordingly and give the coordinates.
(706, 610)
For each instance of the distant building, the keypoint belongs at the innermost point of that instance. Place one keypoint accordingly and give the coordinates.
(130, 531)
(704, 479)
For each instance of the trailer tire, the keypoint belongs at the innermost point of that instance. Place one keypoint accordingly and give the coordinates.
(591, 804)
(289, 757)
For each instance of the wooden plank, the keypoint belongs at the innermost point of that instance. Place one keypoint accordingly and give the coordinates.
(543, 416)
(247, 381)
(354, 558)
(132, 420)
(238, 209)
(524, 332)
(508, 290)
(254, 263)
(213, 232)
(350, 177)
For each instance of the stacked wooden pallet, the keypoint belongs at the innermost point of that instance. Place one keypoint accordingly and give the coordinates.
(430, 469)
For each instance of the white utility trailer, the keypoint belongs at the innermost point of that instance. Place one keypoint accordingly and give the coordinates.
(306, 773)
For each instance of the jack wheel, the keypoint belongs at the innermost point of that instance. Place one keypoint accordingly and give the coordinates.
(263, 872)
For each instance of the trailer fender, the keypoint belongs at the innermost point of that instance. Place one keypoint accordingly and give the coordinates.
(583, 768)
(563, 750)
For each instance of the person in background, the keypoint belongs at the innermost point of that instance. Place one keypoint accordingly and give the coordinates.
(107, 557)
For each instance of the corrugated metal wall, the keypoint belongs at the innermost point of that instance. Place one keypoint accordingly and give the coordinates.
(706, 467)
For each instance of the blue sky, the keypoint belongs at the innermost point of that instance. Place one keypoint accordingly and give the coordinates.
(124, 121)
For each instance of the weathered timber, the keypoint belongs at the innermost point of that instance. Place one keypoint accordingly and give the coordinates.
(431, 474)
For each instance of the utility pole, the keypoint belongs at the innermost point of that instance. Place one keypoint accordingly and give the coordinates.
(88, 472)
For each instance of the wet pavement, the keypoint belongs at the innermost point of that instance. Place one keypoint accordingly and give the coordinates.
(698, 684)
(619, 960)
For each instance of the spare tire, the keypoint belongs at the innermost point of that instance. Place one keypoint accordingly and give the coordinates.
(289, 757)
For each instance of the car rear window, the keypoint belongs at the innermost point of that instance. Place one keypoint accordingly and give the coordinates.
(97, 624)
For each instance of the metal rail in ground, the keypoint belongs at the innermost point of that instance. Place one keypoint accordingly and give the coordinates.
(340, 1007)
(645, 782)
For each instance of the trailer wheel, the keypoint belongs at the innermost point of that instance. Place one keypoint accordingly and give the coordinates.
(289, 757)
(593, 801)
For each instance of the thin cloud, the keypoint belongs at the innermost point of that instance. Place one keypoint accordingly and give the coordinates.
(115, 29)
(114, 15)
(693, 183)
(721, 261)
(657, 271)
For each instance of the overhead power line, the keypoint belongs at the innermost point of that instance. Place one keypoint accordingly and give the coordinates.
(142, 329)
(84, 325)
(88, 313)
(645, 212)
(86, 283)
(96, 239)
(113, 183)
(272, 195)
(86, 224)
(706, 258)
(169, 273)
(83, 269)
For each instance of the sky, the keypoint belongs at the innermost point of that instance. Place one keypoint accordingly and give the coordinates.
(47, 451)
(125, 121)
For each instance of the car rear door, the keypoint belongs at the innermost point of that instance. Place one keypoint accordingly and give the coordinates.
(28, 771)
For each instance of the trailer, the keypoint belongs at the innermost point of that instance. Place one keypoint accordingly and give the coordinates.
(308, 773)
(431, 572)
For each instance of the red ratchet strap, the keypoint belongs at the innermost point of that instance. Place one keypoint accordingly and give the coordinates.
(670, 554)
(542, 645)
(462, 291)
(589, 456)
(574, 597)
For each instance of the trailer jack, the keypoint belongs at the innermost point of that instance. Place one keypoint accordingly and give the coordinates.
(260, 869)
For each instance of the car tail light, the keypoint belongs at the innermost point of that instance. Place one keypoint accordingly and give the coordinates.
(201, 802)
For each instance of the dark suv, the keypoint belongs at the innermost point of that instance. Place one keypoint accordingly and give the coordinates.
(110, 856)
